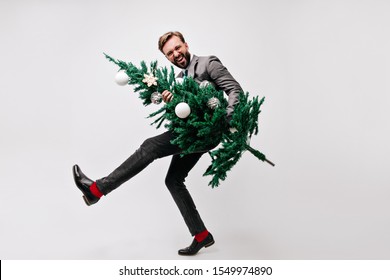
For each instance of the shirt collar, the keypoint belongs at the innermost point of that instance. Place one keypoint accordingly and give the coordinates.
(189, 64)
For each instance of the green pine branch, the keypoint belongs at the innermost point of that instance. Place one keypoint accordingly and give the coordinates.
(205, 127)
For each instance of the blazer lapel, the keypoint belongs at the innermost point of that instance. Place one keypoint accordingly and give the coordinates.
(191, 69)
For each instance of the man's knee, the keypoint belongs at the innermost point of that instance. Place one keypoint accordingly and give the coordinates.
(149, 148)
(147, 144)
(173, 183)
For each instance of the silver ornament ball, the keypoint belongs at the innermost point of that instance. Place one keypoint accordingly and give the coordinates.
(213, 103)
(156, 97)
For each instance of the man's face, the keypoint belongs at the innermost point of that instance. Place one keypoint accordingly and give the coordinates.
(177, 52)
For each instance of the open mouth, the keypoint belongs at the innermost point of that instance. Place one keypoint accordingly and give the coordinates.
(180, 60)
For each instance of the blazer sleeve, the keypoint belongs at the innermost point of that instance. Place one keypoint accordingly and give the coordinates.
(224, 81)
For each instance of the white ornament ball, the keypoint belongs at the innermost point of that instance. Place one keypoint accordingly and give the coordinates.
(121, 78)
(204, 84)
(182, 110)
(179, 81)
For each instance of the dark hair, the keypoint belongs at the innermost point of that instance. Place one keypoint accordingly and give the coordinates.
(164, 38)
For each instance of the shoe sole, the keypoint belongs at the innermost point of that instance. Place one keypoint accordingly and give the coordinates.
(205, 246)
(87, 201)
(209, 244)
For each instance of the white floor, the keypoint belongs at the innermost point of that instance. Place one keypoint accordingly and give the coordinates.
(252, 215)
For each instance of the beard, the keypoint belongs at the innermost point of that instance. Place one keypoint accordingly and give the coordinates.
(183, 60)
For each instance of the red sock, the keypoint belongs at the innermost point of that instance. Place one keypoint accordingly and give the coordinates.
(201, 236)
(95, 191)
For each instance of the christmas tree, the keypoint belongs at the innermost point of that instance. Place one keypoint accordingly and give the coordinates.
(196, 115)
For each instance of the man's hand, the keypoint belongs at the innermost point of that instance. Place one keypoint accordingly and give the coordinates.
(167, 96)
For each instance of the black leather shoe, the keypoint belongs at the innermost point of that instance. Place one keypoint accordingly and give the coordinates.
(196, 246)
(83, 183)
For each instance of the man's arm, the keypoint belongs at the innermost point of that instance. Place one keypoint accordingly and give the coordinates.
(224, 81)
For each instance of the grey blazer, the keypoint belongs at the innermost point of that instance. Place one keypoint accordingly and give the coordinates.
(210, 68)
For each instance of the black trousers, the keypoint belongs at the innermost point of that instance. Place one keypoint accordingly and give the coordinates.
(151, 149)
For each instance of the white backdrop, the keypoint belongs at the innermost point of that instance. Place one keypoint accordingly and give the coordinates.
(323, 67)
